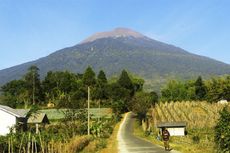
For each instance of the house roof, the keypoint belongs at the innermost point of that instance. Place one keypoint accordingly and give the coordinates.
(38, 118)
(14, 112)
(171, 124)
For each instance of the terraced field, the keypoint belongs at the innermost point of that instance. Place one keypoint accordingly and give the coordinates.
(196, 114)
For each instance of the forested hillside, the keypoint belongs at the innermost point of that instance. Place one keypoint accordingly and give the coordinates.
(124, 49)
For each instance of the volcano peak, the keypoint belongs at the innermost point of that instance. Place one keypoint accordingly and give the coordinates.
(117, 32)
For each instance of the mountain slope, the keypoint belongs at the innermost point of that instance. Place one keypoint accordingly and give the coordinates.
(124, 49)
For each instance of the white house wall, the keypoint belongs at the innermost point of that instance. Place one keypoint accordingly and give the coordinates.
(6, 122)
(176, 131)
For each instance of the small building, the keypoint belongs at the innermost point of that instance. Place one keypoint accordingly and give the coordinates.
(222, 102)
(10, 118)
(17, 119)
(174, 128)
(37, 119)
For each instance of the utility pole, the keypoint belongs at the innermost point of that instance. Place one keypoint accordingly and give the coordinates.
(33, 87)
(88, 110)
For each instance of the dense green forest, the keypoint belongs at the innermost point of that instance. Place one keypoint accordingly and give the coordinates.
(212, 90)
(69, 90)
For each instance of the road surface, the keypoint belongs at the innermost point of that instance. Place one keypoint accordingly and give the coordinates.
(128, 143)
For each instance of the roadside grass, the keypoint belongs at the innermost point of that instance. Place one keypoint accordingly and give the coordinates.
(109, 145)
(112, 145)
(183, 144)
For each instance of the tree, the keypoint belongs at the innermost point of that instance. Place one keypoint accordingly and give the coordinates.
(33, 84)
(101, 78)
(174, 91)
(222, 131)
(116, 92)
(59, 83)
(89, 77)
(100, 91)
(153, 98)
(125, 81)
(226, 89)
(12, 91)
(141, 103)
(200, 89)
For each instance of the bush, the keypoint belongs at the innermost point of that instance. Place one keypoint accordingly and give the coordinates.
(222, 131)
(78, 143)
(196, 139)
(101, 144)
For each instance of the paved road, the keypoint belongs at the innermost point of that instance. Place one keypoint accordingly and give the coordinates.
(128, 143)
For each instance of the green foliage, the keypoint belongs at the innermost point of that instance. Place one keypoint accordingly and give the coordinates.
(89, 77)
(102, 128)
(69, 90)
(218, 89)
(119, 107)
(211, 90)
(196, 139)
(153, 98)
(200, 89)
(117, 92)
(12, 92)
(141, 103)
(222, 131)
(177, 91)
(101, 144)
(33, 85)
(101, 78)
(125, 81)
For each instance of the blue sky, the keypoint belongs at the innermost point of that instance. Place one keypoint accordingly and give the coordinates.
(31, 29)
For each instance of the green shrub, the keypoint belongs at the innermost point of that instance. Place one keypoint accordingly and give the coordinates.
(101, 144)
(196, 139)
(78, 143)
(222, 131)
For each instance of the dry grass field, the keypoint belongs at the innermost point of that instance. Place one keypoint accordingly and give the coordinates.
(196, 114)
(201, 118)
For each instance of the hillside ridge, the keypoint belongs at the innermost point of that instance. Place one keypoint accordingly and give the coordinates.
(120, 49)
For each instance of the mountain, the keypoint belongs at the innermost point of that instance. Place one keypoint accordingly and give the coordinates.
(120, 49)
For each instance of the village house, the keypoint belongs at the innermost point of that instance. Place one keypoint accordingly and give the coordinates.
(174, 128)
(38, 119)
(12, 119)
(9, 118)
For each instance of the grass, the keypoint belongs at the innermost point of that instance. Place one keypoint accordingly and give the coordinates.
(97, 145)
(112, 146)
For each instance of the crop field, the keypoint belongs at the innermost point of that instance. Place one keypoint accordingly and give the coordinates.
(200, 117)
(195, 114)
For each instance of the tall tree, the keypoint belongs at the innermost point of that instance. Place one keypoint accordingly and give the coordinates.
(101, 78)
(200, 89)
(100, 92)
(125, 81)
(141, 103)
(89, 77)
(11, 92)
(153, 98)
(33, 84)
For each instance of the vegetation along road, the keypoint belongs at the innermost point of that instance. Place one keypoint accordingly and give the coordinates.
(128, 143)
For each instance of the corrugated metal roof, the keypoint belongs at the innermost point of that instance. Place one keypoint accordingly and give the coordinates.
(171, 124)
(38, 118)
(12, 111)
